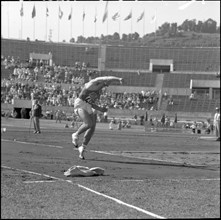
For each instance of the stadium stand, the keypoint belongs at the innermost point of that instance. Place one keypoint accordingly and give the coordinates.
(185, 59)
(74, 64)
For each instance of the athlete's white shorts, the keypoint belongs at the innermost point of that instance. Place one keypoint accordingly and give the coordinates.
(80, 104)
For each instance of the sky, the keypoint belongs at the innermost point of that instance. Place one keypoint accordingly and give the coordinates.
(42, 28)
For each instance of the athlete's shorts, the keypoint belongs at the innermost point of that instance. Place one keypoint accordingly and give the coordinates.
(80, 104)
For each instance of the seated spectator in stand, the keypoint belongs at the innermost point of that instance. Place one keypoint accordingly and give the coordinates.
(135, 118)
(111, 124)
(119, 126)
(142, 120)
(128, 124)
(123, 123)
(194, 127)
(105, 117)
(171, 101)
(192, 96)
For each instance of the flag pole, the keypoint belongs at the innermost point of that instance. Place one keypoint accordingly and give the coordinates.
(107, 17)
(34, 29)
(46, 22)
(119, 22)
(95, 21)
(8, 19)
(71, 22)
(144, 23)
(58, 22)
(46, 28)
(83, 21)
(21, 26)
(71, 26)
(58, 28)
(95, 31)
(131, 20)
(155, 22)
(83, 28)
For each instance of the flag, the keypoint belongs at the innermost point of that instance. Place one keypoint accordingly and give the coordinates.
(95, 16)
(33, 12)
(115, 16)
(70, 15)
(105, 12)
(83, 15)
(153, 18)
(140, 17)
(128, 16)
(47, 12)
(21, 10)
(187, 4)
(60, 13)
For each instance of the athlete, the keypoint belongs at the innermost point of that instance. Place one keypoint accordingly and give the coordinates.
(86, 107)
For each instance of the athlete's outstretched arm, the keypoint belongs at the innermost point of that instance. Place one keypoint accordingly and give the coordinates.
(108, 79)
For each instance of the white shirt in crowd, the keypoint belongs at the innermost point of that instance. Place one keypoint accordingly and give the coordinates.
(216, 118)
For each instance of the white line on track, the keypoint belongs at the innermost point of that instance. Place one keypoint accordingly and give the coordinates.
(91, 190)
(208, 138)
(109, 153)
(40, 181)
(123, 203)
(23, 142)
(178, 180)
(17, 126)
(183, 152)
(143, 158)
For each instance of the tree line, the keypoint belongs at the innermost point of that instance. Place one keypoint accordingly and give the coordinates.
(166, 29)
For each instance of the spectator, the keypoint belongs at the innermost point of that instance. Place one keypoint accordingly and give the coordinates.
(216, 123)
(111, 124)
(194, 127)
(36, 114)
(163, 120)
(192, 96)
(58, 115)
(142, 120)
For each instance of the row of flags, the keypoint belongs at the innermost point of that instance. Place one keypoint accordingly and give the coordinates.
(114, 17)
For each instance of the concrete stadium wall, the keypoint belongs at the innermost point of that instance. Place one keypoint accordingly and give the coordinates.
(126, 113)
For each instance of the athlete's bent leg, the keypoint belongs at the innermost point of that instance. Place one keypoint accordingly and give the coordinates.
(87, 124)
(89, 133)
(87, 121)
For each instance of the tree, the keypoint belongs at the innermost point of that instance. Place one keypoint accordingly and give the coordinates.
(124, 37)
(164, 28)
(199, 26)
(185, 25)
(211, 26)
(116, 36)
(135, 36)
(173, 29)
(218, 30)
(192, 25)
(80, 39)
(72, 40)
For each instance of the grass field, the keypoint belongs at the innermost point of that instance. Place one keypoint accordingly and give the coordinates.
(147, 175)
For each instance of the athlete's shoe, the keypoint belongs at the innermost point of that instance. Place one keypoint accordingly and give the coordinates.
(81, 150)
(75, 140)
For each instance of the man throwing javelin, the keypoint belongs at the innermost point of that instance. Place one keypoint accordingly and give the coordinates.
(86, 107)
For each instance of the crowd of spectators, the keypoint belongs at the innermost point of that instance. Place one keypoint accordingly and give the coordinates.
(48, 94)
(25, 82)
(52, 94)
(142, 100)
